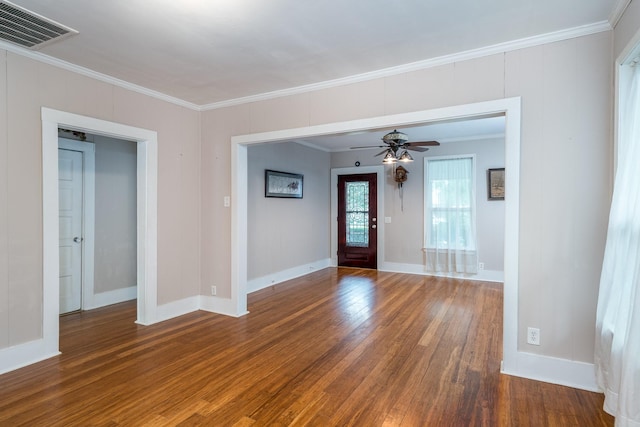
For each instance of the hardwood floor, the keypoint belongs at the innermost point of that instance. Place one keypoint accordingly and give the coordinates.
(338, 347)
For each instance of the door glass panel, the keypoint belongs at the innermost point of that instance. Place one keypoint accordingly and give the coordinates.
(357, 213)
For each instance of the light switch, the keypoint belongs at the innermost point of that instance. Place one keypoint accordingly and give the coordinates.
(227, 201)
(387, 220)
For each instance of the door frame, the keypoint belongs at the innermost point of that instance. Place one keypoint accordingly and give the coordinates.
(335, 172)
(88, 151)
(513, 360)
(147, 216)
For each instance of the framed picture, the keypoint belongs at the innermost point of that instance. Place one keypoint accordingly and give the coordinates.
(495, 184)
(283, 184)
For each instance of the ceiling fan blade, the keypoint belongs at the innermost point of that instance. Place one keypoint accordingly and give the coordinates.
(368, 146)
(420, 149)
(382, 152)
(423, 143)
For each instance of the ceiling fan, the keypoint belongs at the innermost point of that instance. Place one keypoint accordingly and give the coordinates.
(395, 141)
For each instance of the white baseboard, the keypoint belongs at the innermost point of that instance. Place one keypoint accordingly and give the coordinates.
(21, 355)
(219, 305)
(177, 308)
(483, 275)
(554, 370)
(284, 275)
(112, 297)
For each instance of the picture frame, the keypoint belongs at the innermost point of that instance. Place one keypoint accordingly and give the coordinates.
(495, 184)
(283, 184)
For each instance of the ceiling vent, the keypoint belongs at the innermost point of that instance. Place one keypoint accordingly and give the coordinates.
(27, 29)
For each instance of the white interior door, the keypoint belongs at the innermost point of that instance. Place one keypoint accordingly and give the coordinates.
(70, 217)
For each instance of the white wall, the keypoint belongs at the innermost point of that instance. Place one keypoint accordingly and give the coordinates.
(115, 265)
(286, 234)
(404, 236)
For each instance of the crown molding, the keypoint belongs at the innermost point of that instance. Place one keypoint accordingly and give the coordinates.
(566, 34)
(46, 59)
(618, 11)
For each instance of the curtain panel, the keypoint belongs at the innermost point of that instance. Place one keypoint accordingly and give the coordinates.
(450, 222)
(617, 349)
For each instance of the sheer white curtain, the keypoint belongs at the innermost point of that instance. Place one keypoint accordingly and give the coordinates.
(617, 350)
(450, 225)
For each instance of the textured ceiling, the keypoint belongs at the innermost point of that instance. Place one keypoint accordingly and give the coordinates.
(208, 51)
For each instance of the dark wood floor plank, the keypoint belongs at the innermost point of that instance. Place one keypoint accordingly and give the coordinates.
(334, 348)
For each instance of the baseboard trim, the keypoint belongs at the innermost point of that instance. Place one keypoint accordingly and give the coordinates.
(554, 370)
(115, 296)
(177, 308)
(218, 305)
(21, 355)
(284, 275)
(483, 275)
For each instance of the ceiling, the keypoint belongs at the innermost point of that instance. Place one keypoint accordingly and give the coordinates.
(205, 52)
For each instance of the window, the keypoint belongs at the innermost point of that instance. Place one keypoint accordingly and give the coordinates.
(357, 213)
(450, 237)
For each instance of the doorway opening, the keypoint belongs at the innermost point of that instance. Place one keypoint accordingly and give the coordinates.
(509, 107)
(97, 183)
(146, 224)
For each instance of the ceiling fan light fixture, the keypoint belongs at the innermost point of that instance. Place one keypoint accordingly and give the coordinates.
(390, 157)
(406, 157)
(395, 137)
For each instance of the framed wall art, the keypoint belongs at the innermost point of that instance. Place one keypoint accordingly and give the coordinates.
(283, 184)
(495, 184)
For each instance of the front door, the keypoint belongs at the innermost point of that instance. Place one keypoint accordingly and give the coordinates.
(357, 220)
(70, 223)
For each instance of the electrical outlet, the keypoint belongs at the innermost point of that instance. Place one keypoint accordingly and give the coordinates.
(214, 290)
(481, 266)
(533, 336)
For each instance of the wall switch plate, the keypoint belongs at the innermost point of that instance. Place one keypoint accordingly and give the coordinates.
(533, 336)
(214, 290)
(387, 220)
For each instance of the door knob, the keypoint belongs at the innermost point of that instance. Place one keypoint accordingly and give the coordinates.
(373, 226)
(77, 239)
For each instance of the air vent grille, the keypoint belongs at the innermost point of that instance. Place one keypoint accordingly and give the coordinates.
(27, 29)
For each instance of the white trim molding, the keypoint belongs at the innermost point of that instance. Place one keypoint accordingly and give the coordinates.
(224, 306)
(618, 11)
(554, 370)
(177, 308)
(510, 107)
(21, 355)
(566, 34)
(282, 276)
(50, 60)
(147, 216)
(115, 296)
(482, 276)
(509, 46)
